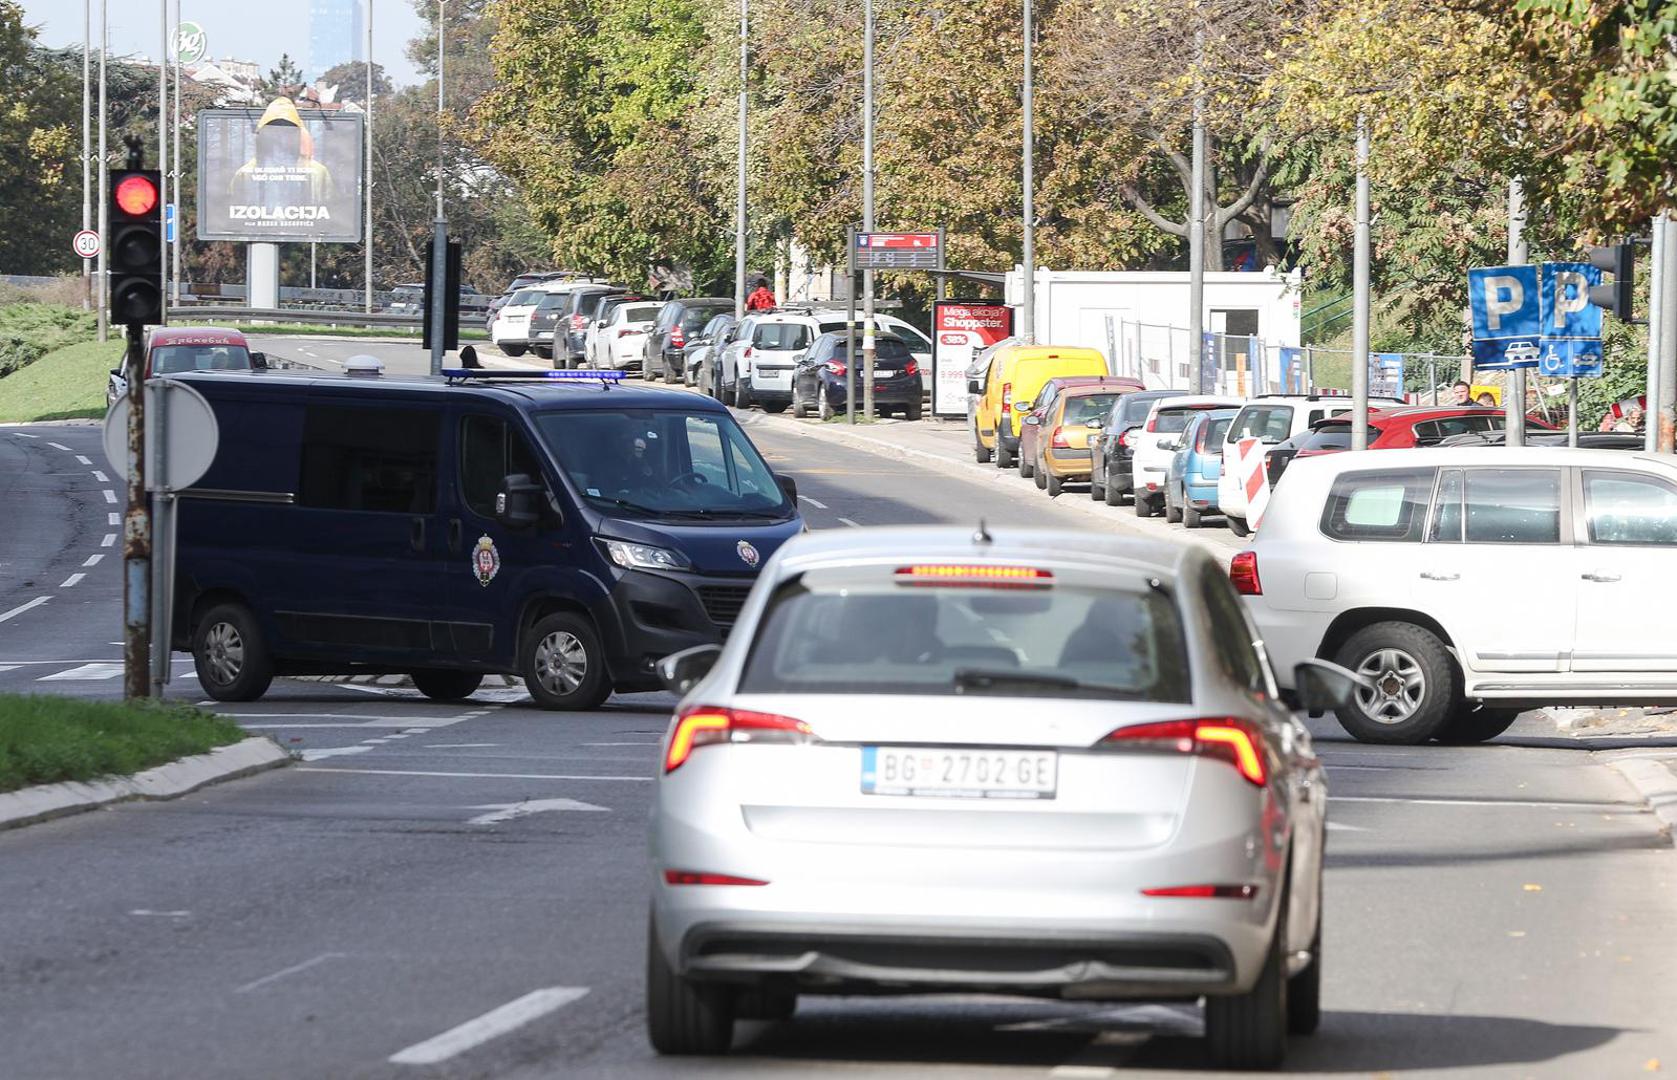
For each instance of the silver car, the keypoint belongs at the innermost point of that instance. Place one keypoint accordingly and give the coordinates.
(1022, 762)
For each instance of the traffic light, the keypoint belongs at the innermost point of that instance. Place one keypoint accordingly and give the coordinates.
(1616, 295)
(451, 297)
(135, 246)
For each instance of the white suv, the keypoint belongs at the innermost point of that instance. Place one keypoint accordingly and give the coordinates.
(757, 364)
(1467, 583)
(1272, 419)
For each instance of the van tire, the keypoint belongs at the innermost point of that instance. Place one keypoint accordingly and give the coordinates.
(229, 654)
(563, 663)
(1237, 525)
(1004, 460)
(444, 685)
(1410, 647)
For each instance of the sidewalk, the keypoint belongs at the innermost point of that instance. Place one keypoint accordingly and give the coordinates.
(1650, 770)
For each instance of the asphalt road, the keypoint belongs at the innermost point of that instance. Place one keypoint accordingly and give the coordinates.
(462, 888)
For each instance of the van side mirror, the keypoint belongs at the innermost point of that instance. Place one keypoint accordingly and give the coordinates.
(680, 672)
(1322, 686)
(975, 386)
(789, 486)
(259, 361)
(516, 505)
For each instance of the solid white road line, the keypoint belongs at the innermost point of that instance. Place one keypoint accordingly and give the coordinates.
(85, 673)
(455, 745)
(71, 581)
(283, 972)
(84, 459)
(93, 560)
(148, 913)
(620, 744)
(477, 775)
(817, 503)
(108, 539)
(333, 751)
(110, 497)
(60, 446)
(500, 812)
(850, 523)
(101, 477)
(491, 1025)
(21, 608)
(1582, 807)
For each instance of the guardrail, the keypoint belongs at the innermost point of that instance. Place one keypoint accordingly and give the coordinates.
(311, 316)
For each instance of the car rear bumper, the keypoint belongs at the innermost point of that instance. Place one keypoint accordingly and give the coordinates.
(906, 392)
(1201, 495)
(1066, 463)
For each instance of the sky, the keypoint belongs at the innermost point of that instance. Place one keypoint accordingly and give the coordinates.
(256, 30)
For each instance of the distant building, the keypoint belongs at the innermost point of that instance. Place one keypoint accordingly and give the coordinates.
(335, 34)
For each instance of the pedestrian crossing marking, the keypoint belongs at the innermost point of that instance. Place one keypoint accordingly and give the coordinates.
(84, 673)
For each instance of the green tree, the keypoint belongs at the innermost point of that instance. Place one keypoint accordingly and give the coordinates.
(350, 77)
(40, 132)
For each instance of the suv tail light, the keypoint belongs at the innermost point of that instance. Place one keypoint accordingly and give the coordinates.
(1007, 398)
(1243, 573)
(702, 726)
(1228, 739)
(678, 337)
(1126, 439)
(1058, 438)
(579, 322)
(837, 367)
(1153, 422)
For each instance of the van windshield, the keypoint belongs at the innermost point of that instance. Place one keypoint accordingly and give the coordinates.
(664, 464)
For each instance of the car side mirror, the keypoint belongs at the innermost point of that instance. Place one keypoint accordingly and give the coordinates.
(1094, 425)
(680, 672)
(516, 504)
(974, 386)
(1033, 420)
(259, 361)
(1169, 445)
(1322, 686)
(789, 486)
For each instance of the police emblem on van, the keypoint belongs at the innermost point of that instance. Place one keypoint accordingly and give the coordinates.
(748, 554)
(486, 561)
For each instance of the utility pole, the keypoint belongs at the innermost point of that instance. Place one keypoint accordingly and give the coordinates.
(1667, 409)
(175, 186)
(1514, 392)
(739, 195)
(439, 239)
(367, 192)
(136, 532)
(163, 153)
(1360, 301)
(1196, 232)
(87, 148)
(869, 345)
(1027, 309)
(104, 179)
(1656, 329)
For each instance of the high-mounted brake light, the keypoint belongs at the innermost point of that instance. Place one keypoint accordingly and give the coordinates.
(678, 337)
(1228, 739)
(696, 877)
(1243, 573)
(1206, 892)
(1001, 577)
(703, 726)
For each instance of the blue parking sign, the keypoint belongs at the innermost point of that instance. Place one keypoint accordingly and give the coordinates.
(1507, 316)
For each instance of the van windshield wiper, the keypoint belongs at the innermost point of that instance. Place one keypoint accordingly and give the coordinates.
(625, 504)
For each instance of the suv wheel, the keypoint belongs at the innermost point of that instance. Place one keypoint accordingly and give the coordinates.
(513, 350)
(684, 1017)
(229, 655)
(1237, 525)
(442, 685)
(563, 664)
(742, 394)
(1416, 690)
(1468, 725)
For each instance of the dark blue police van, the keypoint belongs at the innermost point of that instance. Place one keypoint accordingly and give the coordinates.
(567, 531)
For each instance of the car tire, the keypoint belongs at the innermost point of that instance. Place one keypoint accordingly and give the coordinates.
(1249, 1031)
(1191, 518)
(1173, 510)
(1040, 475)
(1004, 460)
(684, 1017)
(1112, 495)
(229, 654)
(443, 685)
(1304, 990)
(1054, 486)
(826, 409)
(775, 407)
(1237, 525)
(1468, 725)
(513, 350)
(1026, 467)
(1096, 492)
(913, 412)
(564, 664)
(742, 395)
(1143, 505)
(670, 377)
(1413, 659)
(540, 353)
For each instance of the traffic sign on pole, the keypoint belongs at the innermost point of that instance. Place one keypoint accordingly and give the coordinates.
(896, 251)
(1507, 322)
(86, 244)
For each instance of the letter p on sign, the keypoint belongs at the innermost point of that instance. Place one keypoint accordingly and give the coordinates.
(1504, 295)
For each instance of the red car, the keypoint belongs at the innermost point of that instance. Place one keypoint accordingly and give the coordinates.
(174, 349)
(1395, 429)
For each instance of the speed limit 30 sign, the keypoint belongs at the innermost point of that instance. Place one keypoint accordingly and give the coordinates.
(86, 244)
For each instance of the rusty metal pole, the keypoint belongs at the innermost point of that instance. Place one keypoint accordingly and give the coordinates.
(136, 533)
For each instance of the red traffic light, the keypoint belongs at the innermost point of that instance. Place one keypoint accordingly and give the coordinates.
(136, 195)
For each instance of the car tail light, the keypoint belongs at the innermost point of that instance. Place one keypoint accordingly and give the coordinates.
(579, 322)
(699, 877)
(1153, 422)
(1199, 439)
(913, 368)
(747, 352)
(1227, 739)
(1001, 577)
(628, 332)
(703, 726)
(836, 367)
(1007, 398)
(1206, 892)
(1058, 438)
(1125, 440)
(678, 337)
(1243, 573)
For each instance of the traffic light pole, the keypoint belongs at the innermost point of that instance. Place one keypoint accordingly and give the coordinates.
(136, 533)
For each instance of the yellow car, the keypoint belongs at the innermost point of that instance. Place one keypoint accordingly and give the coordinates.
(1016, 374)
(1057, 437)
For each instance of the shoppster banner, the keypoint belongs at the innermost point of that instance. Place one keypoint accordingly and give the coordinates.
(960, 330)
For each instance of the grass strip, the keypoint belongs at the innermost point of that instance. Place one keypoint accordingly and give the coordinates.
(62, 385)
(46, 740)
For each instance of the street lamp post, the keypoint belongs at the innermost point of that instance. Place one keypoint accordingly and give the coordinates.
(869, 344)
(1514, 393)
(104, 179)
(739, 198)
(87, 146)
(1360, 299)
(1027, 308)
(1196, 232)
(439, 238)
(175, 186)
(163, 152)
(367, 191)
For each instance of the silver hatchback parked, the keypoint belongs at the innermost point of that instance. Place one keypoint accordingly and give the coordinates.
(1026, 763)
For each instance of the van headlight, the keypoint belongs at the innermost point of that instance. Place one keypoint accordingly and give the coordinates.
(644, 556)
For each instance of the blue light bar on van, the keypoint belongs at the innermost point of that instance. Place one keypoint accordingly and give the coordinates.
(570, 375)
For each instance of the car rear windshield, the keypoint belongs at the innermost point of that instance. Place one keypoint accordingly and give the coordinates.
(693, 318)
(781, 336)
(1133, 408)
(1082, 408)
(526, 297)
(1332, 437)
(860, 631)
(1211, 434)
(552, 301)
(640, 313)
(169, 359)
(1176, 419)
(1271, 423)
(885, 350)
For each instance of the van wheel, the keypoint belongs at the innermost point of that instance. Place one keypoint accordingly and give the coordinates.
(1237, 525)
(1416, 690)
(981, 453)
(443, 685)
(1469, 725)
(1249, 1031)
(684, 1017)
(229, 655)
(563, 665)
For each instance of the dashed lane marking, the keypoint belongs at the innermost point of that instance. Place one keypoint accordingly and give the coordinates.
(107, 540)
(474, 775)
(256, 984)
(21, 608)
(9, 667)
(110, 497)
(1581, 807)
(458, 745)
(93, 560)
(60, 446)
(850, 523)
(84, 459)
(71, 581)
(101, 477)
(817, 503)
(499, 812)
(491, 1025)
(318, 753)
(113, 519)
(84, 673)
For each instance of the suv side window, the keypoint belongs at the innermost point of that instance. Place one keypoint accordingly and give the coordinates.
(1230, 634)
(1513, 506)
(358, 457)
(489, 453)
(1271, 423)
(1385, 505)
(1446, 527)
(1630, 508)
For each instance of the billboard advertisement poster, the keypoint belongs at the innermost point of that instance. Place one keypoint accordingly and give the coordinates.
(960, 330)
(279, 174)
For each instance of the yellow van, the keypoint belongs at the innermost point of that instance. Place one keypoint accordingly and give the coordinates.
(1016, 375)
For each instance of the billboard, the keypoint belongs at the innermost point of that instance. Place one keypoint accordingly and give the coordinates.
(279, 174)
(960, 330)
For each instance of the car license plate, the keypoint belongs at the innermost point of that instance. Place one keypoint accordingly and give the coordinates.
(959, 773)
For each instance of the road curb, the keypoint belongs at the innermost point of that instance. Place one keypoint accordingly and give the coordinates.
(1653, 780)
(46, 801)
(961, 470)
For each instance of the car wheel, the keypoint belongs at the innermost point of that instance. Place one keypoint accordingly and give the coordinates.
(1249, 1031)
(1191, 518)
(742, 396)
(1004, 460)
(981, 453)
(761, 1004)
(913, 412)
(1416, 686)
(440, 685)
(775, 407)
(1111, 494)
(826, 409)
(670, 377)
(1173, 510)
(513, 350)
(1143, 505)
(1096, 492)
(1054, 486)
(563, 665)
(1041, 476)
(229, 655)
(1304, 990)
(1468, 725)
(1237, 525)
(1026, 467)
(684, 1017)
